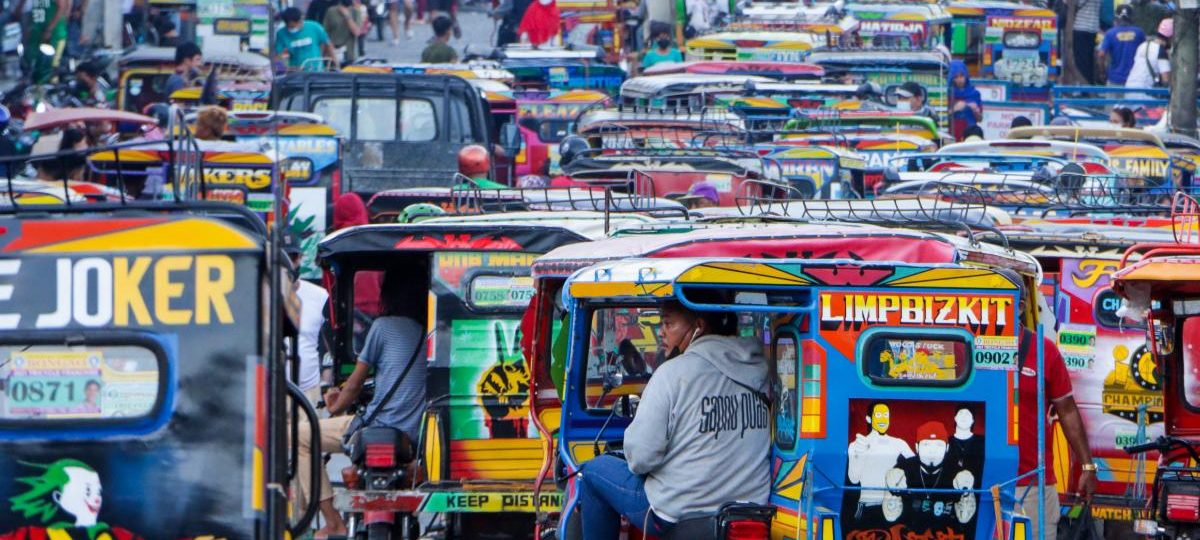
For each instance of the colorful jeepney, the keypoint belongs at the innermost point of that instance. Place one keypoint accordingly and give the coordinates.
(142, 361)
(545, 119)
(889, 69)
(754, 45)
(780, 71)
(842, 350)
(1117, 382)
(1005, 41)
(559, 68)
(1132, 152)
(480, 453)
(905, 25)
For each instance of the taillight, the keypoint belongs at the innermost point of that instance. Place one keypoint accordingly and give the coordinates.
(1182, 507)
(381, 455)
(351, 478)
(747, 530)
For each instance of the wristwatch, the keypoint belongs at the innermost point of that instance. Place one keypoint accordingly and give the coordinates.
(1089, 467)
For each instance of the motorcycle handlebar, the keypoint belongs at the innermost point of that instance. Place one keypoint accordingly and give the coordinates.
(1145, 447)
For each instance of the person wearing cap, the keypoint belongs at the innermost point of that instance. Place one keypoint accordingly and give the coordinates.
(701, 195)
(912, 97)
(1152, 61)
(929, 469)
(1119, 45)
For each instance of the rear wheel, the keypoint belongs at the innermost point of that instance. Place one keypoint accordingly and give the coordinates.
(379, 531)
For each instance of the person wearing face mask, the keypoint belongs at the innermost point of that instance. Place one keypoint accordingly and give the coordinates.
(302, 43)
(662, 51)
(684, 455)
(912, 99)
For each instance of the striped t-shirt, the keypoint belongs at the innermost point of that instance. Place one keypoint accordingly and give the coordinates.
(390, 345)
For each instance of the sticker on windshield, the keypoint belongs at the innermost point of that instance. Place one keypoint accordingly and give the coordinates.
(1077, 344)
(996, 352)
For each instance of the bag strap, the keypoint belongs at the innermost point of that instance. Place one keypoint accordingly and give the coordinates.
(396, 385)
(762, 396)
(1150, 64)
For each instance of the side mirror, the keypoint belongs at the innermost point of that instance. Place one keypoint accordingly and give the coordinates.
(297, 170)
(613, 379)
(510, 139)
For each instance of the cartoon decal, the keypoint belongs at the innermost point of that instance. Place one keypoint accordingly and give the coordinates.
(900, 448)
(65, 498)
(504, 388)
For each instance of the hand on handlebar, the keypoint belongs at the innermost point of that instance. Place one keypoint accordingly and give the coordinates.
(331, 398)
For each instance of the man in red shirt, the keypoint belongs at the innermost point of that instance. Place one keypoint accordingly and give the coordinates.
(1058, 394)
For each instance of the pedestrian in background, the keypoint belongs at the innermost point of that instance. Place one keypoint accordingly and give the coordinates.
(1119, 46)
(510, 13)
(966, 103)
(1087, 26)
(1152, 60)
(344, 24)
(439, 51)
(663, 51)
(188, 60)
(301, 44)
(1122, 117)
(1148, 13)
(317, 9)
(47, 26)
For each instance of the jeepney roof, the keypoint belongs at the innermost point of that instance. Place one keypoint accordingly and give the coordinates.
(388, 238)
(932, 11)
(585, 223)
(707, 120)
(719, 67)
(1081, 240)
(1178, 273)
(1075, 133)
(965, 7)
(148, 54)
(678, 83)
(54, 118)
(656, 278)
(1035, 147)
(730, 39)
(829, 240)
(141, 233)
(521, 52)
(868, 57)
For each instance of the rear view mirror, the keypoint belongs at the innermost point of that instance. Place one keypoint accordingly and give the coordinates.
(510, 139)
(296, 170)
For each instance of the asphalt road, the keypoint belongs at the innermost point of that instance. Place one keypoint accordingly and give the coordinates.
(477, 31)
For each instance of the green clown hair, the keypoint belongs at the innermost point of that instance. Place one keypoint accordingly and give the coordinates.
(37, 501)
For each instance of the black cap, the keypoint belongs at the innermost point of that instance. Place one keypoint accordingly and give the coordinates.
(913, 88)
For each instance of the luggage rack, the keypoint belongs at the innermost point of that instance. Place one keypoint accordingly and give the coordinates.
(600, 196)
(1067, 194)
(945, 206)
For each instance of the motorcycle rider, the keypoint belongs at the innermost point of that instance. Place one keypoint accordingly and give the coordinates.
(677, 459)
(88, 87)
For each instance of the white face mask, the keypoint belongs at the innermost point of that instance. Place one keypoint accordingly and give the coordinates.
(904, 105)
(545, 2)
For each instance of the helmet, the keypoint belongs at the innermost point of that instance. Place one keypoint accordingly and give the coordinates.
(474, 161)
(570, 148)
(413, 212)
(1166, 28)
(5, 116)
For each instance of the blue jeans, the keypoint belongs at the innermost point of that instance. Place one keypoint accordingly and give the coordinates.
(609, 490)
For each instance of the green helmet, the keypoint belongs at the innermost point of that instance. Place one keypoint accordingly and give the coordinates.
(416, 212)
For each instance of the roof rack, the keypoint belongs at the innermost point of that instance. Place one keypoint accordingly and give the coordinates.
(944, 207)
(600, 196)
(1067, 194)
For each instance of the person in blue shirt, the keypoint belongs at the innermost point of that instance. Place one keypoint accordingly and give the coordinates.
(1120, 45)
(662, 51)
(301, 44)
(966, 103)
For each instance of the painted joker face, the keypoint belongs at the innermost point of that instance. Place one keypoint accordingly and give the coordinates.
(80, 496)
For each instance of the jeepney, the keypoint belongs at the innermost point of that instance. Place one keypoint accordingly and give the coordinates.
(1006, 41)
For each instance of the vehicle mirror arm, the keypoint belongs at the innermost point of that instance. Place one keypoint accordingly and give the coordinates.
(310, 509)
(600, 434)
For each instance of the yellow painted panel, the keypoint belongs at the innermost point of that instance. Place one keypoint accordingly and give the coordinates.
(615, 289)
(738, 273)
(184, 234)
(955, 278)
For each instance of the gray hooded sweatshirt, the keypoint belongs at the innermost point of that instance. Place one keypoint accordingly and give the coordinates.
(701, 439)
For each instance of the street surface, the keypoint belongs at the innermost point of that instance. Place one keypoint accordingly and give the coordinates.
(478, 31)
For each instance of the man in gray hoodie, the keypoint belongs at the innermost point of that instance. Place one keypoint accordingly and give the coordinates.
(700, 438)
